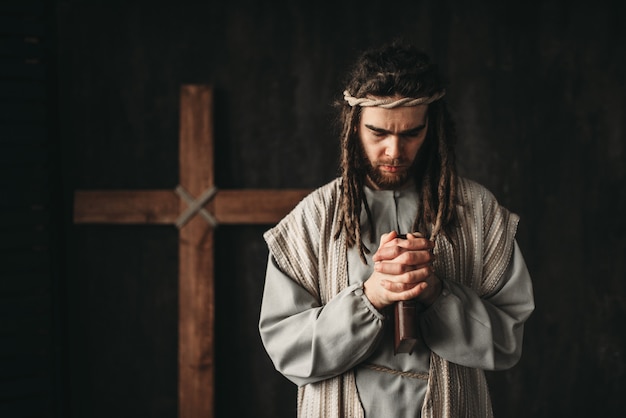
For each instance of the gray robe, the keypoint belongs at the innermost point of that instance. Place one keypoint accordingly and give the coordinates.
(324, 335)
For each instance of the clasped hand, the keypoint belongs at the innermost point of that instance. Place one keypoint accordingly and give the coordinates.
(402, 271)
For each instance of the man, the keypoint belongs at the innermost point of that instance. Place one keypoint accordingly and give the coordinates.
(337, 265)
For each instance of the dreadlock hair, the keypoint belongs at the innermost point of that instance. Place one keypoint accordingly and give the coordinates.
(401, 70)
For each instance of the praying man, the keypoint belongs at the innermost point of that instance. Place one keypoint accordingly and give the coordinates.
(338, 262)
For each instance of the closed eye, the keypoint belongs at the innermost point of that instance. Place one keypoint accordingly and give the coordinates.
(413, 132)
(378, 131)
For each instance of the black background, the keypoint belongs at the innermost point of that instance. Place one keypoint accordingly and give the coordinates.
(89, 100)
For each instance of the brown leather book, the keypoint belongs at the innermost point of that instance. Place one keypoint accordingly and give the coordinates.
(406, 329)
(405, 321)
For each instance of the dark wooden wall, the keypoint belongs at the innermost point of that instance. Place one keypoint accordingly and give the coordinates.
(32, 276)
(538, 92)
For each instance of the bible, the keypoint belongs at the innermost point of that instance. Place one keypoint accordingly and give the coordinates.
(405, 324)
(406, 329)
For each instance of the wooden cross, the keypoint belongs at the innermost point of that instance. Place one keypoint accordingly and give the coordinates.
(195, 195)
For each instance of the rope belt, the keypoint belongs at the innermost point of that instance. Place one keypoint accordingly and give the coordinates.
(412, 375)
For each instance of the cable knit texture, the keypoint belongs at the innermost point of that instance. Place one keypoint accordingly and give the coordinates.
(304, 248)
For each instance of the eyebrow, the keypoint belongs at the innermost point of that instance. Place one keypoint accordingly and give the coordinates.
(411, 131)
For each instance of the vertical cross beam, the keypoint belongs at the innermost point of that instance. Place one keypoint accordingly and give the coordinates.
(196, 299)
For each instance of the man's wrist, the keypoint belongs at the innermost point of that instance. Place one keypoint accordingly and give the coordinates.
(371, 295)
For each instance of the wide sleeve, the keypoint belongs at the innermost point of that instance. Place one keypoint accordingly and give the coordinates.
(484, 333)
(309, 342)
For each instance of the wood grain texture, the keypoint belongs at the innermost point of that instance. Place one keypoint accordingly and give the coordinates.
(162, 207)
(196, 265)
(125, 206)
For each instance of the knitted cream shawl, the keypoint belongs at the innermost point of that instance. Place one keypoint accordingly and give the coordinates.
(304, 248)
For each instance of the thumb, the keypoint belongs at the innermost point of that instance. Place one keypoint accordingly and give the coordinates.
(385, 238)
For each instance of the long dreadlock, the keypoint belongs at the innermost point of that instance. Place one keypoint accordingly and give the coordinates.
(391, 71)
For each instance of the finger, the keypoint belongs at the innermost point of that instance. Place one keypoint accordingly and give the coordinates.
(388, 252)
(417, 243)
(393, 268)
(411, 292)
(385, 239)
(412, 243)
(391, 246)
(401, 255)
(404, 281)
(414, 258)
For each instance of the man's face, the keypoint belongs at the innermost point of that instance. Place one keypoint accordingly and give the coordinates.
(391, 139)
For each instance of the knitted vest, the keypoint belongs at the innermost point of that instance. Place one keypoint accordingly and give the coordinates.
(304, 248)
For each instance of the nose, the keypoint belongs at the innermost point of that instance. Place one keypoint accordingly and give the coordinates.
(393, 149)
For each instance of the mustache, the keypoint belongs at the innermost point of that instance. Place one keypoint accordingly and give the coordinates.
(392, 163)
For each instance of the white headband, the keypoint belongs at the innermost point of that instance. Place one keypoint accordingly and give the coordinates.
(390, 103)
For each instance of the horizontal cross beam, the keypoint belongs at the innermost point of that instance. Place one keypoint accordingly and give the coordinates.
(245, 206)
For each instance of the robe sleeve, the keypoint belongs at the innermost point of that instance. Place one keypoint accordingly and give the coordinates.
(483, 333)
(308, 342)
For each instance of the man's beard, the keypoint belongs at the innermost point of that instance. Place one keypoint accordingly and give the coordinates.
(385, 180)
